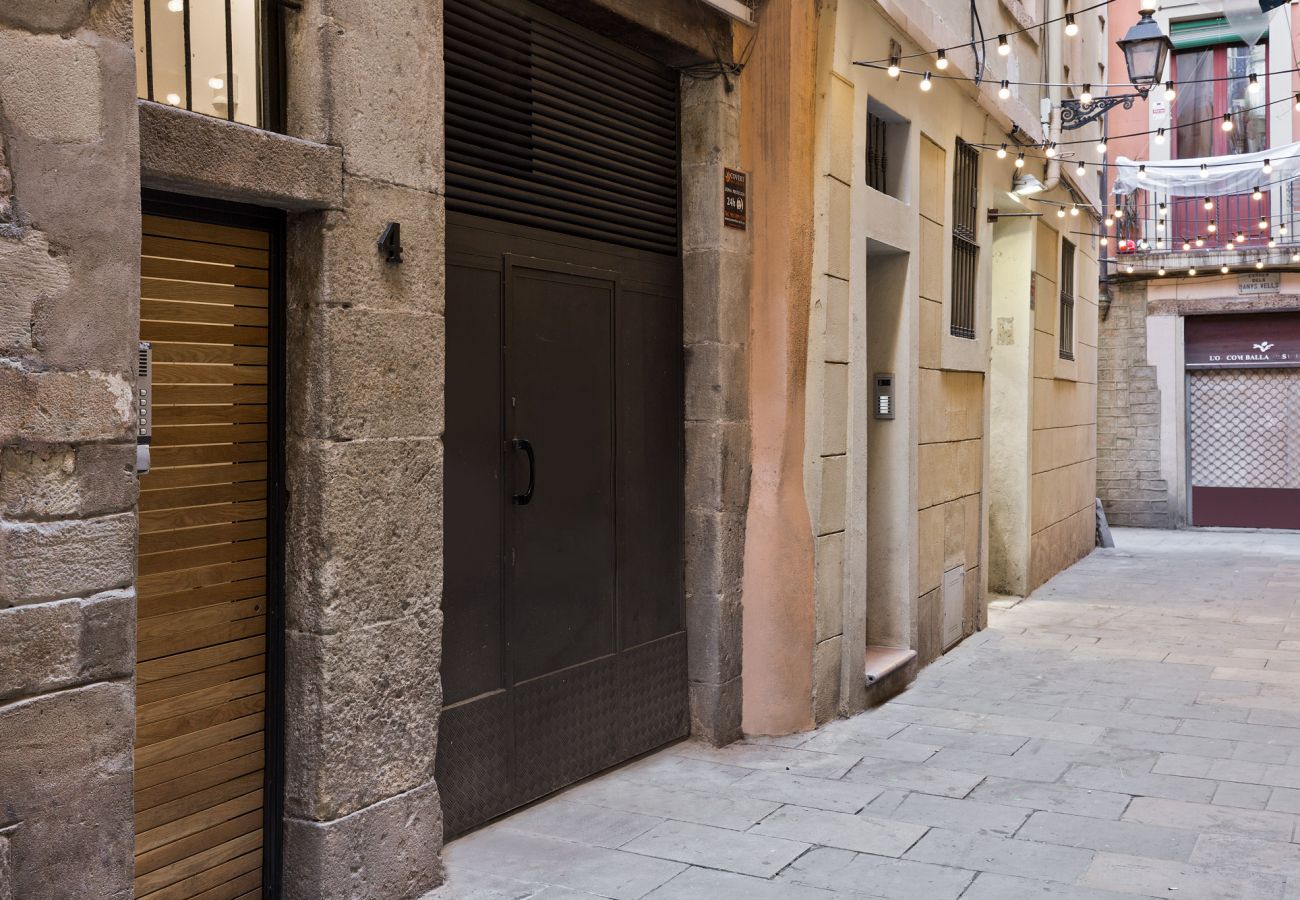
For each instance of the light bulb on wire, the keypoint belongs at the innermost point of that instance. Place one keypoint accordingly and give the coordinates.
(1080, 169)
(893, 69)
(1101, 147)
(1050, 150)
(1170, 91)
(1259, 264)
(1268, 167)
(1074, 210)
(1208, 204)
(1227, 122)
(1086, 97)
(1002, 152)
(1020, 160)
(1200, 241)
(1223, 269)
(1071, 27)
(1161, 271)
(1212, 227)
(1256, 194)
(1160, 136)
(941, 62)
(1252, 84)
(1205, 171)
(926, 84)
(1004, 91)
(1060, 212)
(1004, 49)
(175, 5)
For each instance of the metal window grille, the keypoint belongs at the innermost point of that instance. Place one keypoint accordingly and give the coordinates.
(877, 153)
(965, 248)
(1066, 331)
(220, 58)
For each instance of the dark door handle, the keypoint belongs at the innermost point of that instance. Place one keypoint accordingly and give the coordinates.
(522, 444)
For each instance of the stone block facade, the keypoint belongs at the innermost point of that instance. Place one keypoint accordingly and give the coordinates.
(1130, 483)
(68, 301)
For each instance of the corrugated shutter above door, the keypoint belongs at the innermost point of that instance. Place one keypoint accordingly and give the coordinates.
(548, 129)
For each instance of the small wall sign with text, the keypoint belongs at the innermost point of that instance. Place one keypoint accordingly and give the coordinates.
(1242, 341)
(1259, 283)
(735, 211)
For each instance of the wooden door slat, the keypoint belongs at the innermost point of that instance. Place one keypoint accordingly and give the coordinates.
(181, 623)
(236, 888)
(198, 740)
(199, 292)
(188, 679)
(152, 727)
(199, 800)
(166, 226)
(217, 875)
(203, 251)
(189, 517)
(187, 333)
(193, 824)
(179, 539)
(210, 414)
(158, 310)
(145, 799)
(196, 843)
(183, 270)
(192, 476)
(198, 760)
(180, 560)
(170, 582)
(195, 640)
(199, 495)
(166, 604)
(172, 394)
(187, 373)
(216, 354)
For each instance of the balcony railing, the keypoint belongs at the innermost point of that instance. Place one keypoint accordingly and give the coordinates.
(1151, 229)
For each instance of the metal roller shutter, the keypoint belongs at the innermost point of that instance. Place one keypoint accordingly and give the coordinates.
(547, 130)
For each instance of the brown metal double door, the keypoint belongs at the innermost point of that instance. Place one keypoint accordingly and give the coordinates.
(564, 649)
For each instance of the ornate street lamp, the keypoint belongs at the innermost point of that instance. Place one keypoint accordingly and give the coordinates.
(1146, 47)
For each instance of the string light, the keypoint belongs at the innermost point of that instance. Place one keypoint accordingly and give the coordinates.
(1020, 160)
(1281, 229)
(1252, 84)
(1160, 135)
(1192, 270)
(1170, 91)
(1002, 152)
(1129, 268)
(1071, 27)
(1074, 210)
(1108, 221)
(941, 62)
(1050, 150)
(1263, 224)
(1268, 167)
(1295, 257)
(1205, 171)
(925, 82)
(1272, 242)
(1101, 147)
(1142, 171)
(1005, 90)
(1004, 48)
(1186, 246)
(1060, 212)
(1256, 194)
(1119, 212)
(1080, 169)
(1259, 264)
(1208, 204)
(1161, 271)
(1212, 227)
(1104, 240)
(1160, 225)
(893, 70)
(1227, 122)
(1086, 97)
(1297, 102)
(1224, 269)
(1200, 241)
(1241, 237)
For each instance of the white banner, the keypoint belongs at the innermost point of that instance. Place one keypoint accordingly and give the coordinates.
(1235, 174)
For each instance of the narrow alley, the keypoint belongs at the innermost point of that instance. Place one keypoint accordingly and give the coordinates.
(1131, 729)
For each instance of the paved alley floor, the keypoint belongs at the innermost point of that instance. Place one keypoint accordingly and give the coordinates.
(1132, 729)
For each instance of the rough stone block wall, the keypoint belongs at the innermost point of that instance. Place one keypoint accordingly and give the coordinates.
(364, 457)
(69, 289)
(715, 279)
(1129, 482)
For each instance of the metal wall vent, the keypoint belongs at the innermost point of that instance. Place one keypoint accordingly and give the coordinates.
(554, 127)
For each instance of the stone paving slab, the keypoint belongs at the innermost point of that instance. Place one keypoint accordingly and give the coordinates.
(1130, 730)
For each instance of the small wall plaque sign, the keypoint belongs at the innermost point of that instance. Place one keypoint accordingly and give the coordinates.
(735, 211)
(1259, 283)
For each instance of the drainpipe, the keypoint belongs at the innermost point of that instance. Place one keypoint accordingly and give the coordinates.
(1052, 37)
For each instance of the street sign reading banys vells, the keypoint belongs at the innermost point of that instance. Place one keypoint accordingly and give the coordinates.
(1243, 341)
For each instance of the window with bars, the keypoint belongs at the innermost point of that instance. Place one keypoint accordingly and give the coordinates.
(1066, 331)
(965, 246)
(215, 57)
(877, 153)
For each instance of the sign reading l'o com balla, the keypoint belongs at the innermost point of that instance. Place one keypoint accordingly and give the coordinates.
(1242, 341)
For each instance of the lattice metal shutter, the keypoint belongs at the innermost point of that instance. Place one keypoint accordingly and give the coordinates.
(1245, 428)
(547, 129)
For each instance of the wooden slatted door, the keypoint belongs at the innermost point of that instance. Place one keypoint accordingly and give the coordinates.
(202, 632)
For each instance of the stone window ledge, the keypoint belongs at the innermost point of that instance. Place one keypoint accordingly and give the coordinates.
(1023, 19)
(195, 154)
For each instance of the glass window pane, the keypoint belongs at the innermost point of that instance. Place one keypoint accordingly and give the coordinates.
(208, 52)
(167, 26)
(1249, 117)
(1194, 106)
(141, 58)
(246, 80)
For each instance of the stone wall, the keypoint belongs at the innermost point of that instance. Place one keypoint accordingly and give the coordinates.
(364, 457)
(1129, 480)
(69, 287)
